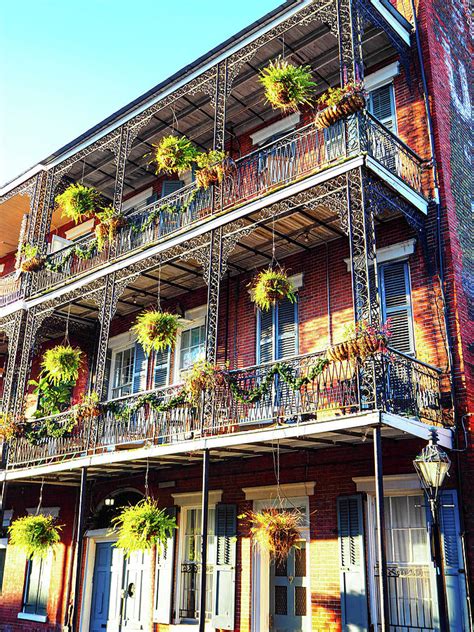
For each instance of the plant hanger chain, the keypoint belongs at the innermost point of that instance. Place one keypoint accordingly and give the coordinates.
(158, 292)
(40, 499)
(66, 333)
(147, 489)
(175, 125)
(83, 170)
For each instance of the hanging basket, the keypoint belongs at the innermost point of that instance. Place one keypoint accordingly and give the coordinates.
(31, 261)
(35, 535)
(212, 168)
(201, 377)
(109, 224)
(87, 408)
(174, 155)
(61, 364)
(271, 286)
(143, 526)
(156, 330)
(9, 428)
(77, 202)
(275, 531)
(287, 86)
(338, 103)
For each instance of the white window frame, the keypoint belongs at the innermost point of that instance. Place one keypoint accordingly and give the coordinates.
(137, 200)
(117, 344)
(384, 79)
(193, 318)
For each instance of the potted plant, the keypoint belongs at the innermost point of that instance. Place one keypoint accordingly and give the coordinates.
(60, 364)
(337, 103)
(271, 286)
(143, 526)
(212, 167)
(77, 202)
(9, 429)
(275, 531)
(287, 86)
(174, 154)
(87, 408)
(35, 535)
(109, 223)
(156, 330)
(202, 376)
(361, 341)
(31, 262)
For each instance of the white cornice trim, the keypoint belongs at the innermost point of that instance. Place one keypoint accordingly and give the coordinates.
(191, 499)
(400, 250)
(400, 483)
(270, 492)
(381, 77)
(286, 124)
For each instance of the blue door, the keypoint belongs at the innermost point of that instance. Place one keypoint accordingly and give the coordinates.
(289, 592)
(101, 587)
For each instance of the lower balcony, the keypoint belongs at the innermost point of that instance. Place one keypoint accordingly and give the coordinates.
(289, 398)
(10, 289)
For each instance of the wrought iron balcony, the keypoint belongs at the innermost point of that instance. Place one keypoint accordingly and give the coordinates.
(10, 289)
(404, 386)
(285, 161)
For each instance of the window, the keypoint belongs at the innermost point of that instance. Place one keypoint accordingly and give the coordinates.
(193, 346)
(394, 279)
(161, 364)
(381, 104)
(122, 372)
(7, 517)
(38, 574)
(277, 332)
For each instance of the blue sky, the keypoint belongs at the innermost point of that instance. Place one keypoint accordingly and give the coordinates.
(67, 64)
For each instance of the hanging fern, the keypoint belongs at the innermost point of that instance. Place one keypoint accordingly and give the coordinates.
(35, 535)
(212, 167)
(287, 86)
(156, 330)
(174, 154)
(271, 286)
(9, 428)
(77, 202)
(143, 526)
(61, 364)
(275, 531)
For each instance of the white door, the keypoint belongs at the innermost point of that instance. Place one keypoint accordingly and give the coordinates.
(289, 592)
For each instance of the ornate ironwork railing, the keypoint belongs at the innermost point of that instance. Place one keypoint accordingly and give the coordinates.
(298, 154)
(404, 386)
(10, 289)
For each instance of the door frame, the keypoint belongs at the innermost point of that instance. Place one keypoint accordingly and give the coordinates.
(260, 619)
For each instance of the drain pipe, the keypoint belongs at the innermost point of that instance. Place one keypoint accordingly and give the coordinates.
(442, 281)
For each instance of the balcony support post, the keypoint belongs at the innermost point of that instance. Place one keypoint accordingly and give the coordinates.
(220, 101)
(204, 529)
(213, 273)
(13, 328)
(78, 550)
(350, 31)
(384, 623)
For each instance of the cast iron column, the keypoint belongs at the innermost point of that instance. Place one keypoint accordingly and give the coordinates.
(204, 526)
(78, 552)
(380, 515)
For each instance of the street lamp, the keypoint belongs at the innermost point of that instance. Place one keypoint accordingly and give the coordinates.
(432, 466)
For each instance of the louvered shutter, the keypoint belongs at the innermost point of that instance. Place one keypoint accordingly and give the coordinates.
(265, 336)
(396, 304)
(453, 561)
(161, 368)
(162, 608)
(140, 364)
(170, 186)
(287, 329)
(224, 571)
(37, 588)
(381, 105)
(108, 366)
(153, 198)
(352, 560)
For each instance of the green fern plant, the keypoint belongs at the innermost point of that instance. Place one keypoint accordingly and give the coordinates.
(61, 363)
(287, 86)
(174, 154)
(143, 526)
(156, 330)
(77, 202)
(35, 535)
(271, 286)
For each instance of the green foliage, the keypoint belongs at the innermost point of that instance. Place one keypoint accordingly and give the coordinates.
(29, 251)
(123, 411)
(334, 96)
(276, 531)
(8, 427)
(174, 154)
(77, 202)
(52, 398)
(142, 526)
(287, 86)
(202, 376)
(35, 535)
(109, 223)
(271, 286)
(212, 166)
(61, 364)
(156, 330)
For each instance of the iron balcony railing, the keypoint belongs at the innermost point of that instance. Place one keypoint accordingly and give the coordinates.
(10, 289)
(297, 155)
(404, 386)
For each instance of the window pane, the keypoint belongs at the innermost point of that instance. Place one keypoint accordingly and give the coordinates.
(3, 555)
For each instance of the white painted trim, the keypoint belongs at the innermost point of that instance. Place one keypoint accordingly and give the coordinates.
(270, 492)
(124, 340)
(405, 484)
(196, 313)
(136, 199)
(396, 183)
(3, 543)
(78, 231)
(2, 267)
(381, 77)
(393, 22)
(418, 429)
(26, 616)
(284, 125)
(44, 511)
(194, 499)
(400, 250)
(195, 317)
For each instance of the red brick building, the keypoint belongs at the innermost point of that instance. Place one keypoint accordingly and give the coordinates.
(369, 218)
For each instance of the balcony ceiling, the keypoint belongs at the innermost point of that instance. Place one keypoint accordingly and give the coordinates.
(11, 214)
(192, 115)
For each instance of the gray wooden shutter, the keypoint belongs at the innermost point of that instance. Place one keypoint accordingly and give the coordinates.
(224, 572)
(170, 186)
(162, 607)
(37, 586)
(108, 366)
(265, 336)
(382, 106)
(287, 329)
(396, 304)
(161, 368)
(453, 561)
(350, 524)
(140, 365)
